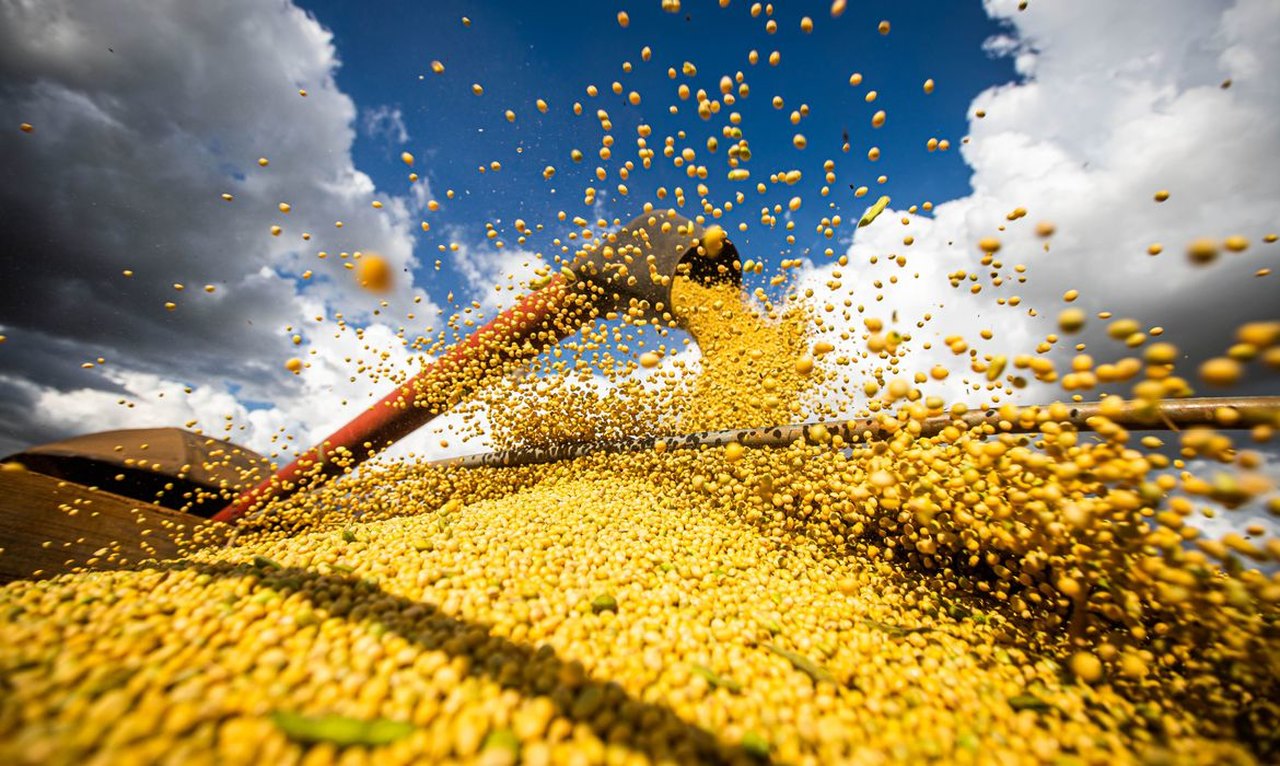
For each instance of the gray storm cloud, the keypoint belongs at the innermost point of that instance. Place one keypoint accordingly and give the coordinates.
(145, 113)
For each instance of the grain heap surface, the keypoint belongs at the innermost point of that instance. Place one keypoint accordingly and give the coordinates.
(606, 612)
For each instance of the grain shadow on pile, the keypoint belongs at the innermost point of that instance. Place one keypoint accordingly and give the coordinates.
(653, 730)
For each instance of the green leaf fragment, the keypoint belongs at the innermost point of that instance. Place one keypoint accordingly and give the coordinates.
(717, 680)
(348, 536)
(874, 211)
(1029, 702)
(756, 745)
(769, 625)
(340, 730)
(262, 562)
(503, 739)
(803, 663)
(893, 630)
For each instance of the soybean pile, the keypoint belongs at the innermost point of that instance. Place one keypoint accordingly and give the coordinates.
(1010, 592)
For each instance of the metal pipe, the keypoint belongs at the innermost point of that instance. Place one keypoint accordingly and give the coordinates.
(630, 270)
(1168, 415)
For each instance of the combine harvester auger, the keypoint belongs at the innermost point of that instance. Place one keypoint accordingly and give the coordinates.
(629, 272)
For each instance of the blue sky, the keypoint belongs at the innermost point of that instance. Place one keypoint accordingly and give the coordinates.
(520, 52)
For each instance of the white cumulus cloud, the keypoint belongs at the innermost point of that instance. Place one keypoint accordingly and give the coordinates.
(1115, 101)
